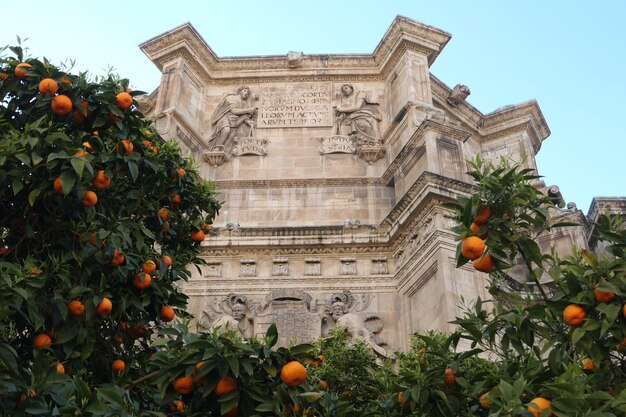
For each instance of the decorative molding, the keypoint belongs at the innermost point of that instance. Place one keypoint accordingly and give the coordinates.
(215, 158)
(370, 153)
(379, 266)
(312, 267)
(247, 268)
(348, 266)
(213, 269)
(280, 267)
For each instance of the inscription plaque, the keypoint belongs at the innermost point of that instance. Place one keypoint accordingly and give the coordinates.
(295, 105)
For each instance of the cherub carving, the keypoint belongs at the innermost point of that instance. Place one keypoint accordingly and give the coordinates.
(230, 314)
(358, 325)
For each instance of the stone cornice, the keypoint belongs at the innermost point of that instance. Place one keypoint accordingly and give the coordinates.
(403, 34)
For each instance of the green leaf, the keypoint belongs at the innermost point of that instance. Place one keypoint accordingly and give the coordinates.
(23, 158)
(68, 179)
(134, 170)
(78, 164)
(33, 196)
(111, 394)
(36, 158)
(271, 336)
(17, 186)
(265, 407)
(311, 397)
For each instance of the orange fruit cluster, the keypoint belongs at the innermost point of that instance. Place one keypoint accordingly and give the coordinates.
(473, 247)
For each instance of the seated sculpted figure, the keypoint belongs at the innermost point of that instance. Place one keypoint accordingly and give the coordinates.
(233, 117)
(355, 116)
(236, 320)
(358, 326)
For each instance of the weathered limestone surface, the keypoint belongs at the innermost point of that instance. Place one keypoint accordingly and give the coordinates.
(334, 169)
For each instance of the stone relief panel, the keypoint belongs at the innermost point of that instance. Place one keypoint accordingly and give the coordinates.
(379, 266)
(346, 312)
(247, 268)
(213, 269)
(312, 267)
(280, 267)
(234, 117)
(348, 266)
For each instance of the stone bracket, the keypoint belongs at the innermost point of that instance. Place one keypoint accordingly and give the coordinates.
(371, 153)
(215, 158)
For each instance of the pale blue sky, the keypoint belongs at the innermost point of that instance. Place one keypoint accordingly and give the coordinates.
(569, 55)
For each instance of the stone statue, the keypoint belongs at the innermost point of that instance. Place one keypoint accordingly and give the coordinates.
(458, 94)
(357, 325)
(235, 319)
(357, 117)
(233, 117)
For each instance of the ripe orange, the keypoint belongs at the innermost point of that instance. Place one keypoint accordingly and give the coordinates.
(61, 105)
(101, 181)
(34, 271)
(624, 311)
(142, 280)
(225, 385)
(148, 266)
(3, 76)
(472, 247)
(60, 369)
(75, 308)
(574, 315)
(484, 263)
(57, 185)
(181, 172)
(48, 86)
(80, 153)
(89, 199)
(105, 307)
(537, 405)
(123, 100)
(484, 401)
(603, 296)
(87, 145)
(177, 406)
(42, 341)
(167, 313)
(323, 385)
(118, 366)
(449, 377)
(163, 213)
(293, 374)
(128, 147)
(406, 404)
(22, 69)
(482, 216)
(587, 364)
(118, 258)
(183, 385)
(166, 260)
(197, 235)
(176, 199)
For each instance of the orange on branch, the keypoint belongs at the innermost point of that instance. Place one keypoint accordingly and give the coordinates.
(484, 263)
(587, 364)
(177, 406)
(163, 213)
(42, 341)
(118, 258)
(22, 69)
(484, 401)
(181, 172)
(537, 405)
(100, 180)
(197, 235)
(482, 216)
(57, 185)
(183, 385)
(89, 199)
(75, 308)
(142, 280)
(61, 105)
(128, 147)
(225, 385)
(449, 377)
(472, 247)
(48, 86)
(167, 313)
(118, 366)
(603, 296)
(60, 369)
(166, 260)
(574, 315)
(149, 266)
(123, 100)
(104, 307)
(293, 374)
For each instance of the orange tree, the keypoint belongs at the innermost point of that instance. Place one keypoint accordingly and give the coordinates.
(99, 219)
(556, 349)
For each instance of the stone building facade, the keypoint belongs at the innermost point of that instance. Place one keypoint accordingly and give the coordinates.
(334, 169)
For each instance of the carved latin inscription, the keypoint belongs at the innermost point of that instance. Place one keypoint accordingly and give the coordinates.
(295, 105)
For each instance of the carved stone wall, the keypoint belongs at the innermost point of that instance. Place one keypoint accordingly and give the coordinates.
(334, 170)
